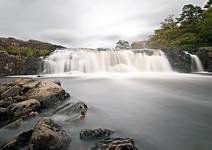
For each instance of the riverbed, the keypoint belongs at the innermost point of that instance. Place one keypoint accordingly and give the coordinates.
(160, 111)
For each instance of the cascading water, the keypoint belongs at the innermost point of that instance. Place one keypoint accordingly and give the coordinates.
(196, 64)
(90, 61)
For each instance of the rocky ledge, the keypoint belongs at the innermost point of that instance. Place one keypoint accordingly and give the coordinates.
(26, 97)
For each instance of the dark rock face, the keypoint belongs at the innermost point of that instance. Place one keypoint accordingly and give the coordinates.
(179, 61)
(205, 55)
(48, 135)
(115, 144)
(88, 134)
(18, 65)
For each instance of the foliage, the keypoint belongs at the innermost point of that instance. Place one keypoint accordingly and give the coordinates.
(138, 44)
(122, 44)
(192, 29)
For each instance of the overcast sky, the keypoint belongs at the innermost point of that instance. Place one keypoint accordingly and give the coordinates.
(86, 23)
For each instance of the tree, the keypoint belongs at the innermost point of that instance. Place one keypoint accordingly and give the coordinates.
(122, 44)
(208, 5)
(190, 14)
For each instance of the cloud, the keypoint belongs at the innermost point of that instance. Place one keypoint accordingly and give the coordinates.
(83, 23)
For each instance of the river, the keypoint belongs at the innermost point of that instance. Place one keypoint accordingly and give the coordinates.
(160, 111)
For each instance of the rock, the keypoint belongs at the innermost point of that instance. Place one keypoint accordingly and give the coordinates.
(73, 111)
(180, 61)
(3, 88)
(23, 108)
(47, 92)
(56, 82)
(115, 144)
(205, 55)
(11, 92)
(3, 114)
(23, 81)
(48, 135)
(6, 102)
(88, 134)
(21, 141)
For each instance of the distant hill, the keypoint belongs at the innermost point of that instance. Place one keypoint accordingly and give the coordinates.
(27, 48)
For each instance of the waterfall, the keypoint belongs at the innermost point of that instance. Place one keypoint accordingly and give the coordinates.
(196, 64)
(90, 61)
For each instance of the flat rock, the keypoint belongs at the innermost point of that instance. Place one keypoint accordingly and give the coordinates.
(115, 144)
(48, 135)
(88, 134)
(23, 108)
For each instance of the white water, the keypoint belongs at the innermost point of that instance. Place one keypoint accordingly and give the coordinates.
(196, 64)
(92, 61)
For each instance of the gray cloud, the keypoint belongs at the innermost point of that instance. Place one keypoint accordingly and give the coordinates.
(83, 23)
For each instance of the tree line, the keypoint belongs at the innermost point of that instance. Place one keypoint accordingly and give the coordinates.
(191, 30)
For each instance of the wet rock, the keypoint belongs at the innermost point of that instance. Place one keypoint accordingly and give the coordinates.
(88, 134)
(3, 114)
(6, 102)
(115, 144)
(3, 88)
(21, 141)
(73, 111)
(11, 92)
(48, 135)
(179, 60)
(47, 92)
(23, 108)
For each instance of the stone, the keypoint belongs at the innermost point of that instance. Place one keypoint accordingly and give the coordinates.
(23, 108)
(3, 114)
(88, 134)
(3, 88)
(11, 92)
(20, 141)
(47, 92)
(73, 111)
(6, 102)
(115, 144)
(48, 135)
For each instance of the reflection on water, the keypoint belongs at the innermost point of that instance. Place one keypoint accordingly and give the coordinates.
(159, 111)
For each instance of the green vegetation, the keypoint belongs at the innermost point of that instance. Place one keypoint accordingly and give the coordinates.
(192, 29)
(26, 48)
(122, 44)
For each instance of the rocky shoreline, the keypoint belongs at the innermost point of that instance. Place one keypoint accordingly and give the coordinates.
(24, 99)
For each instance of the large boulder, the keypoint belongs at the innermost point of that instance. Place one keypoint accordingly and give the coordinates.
(115, 144)
(23, 108)
(88, 134)
(47, 92)
(48, 135)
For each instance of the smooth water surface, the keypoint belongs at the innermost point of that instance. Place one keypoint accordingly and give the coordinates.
(159, 111)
